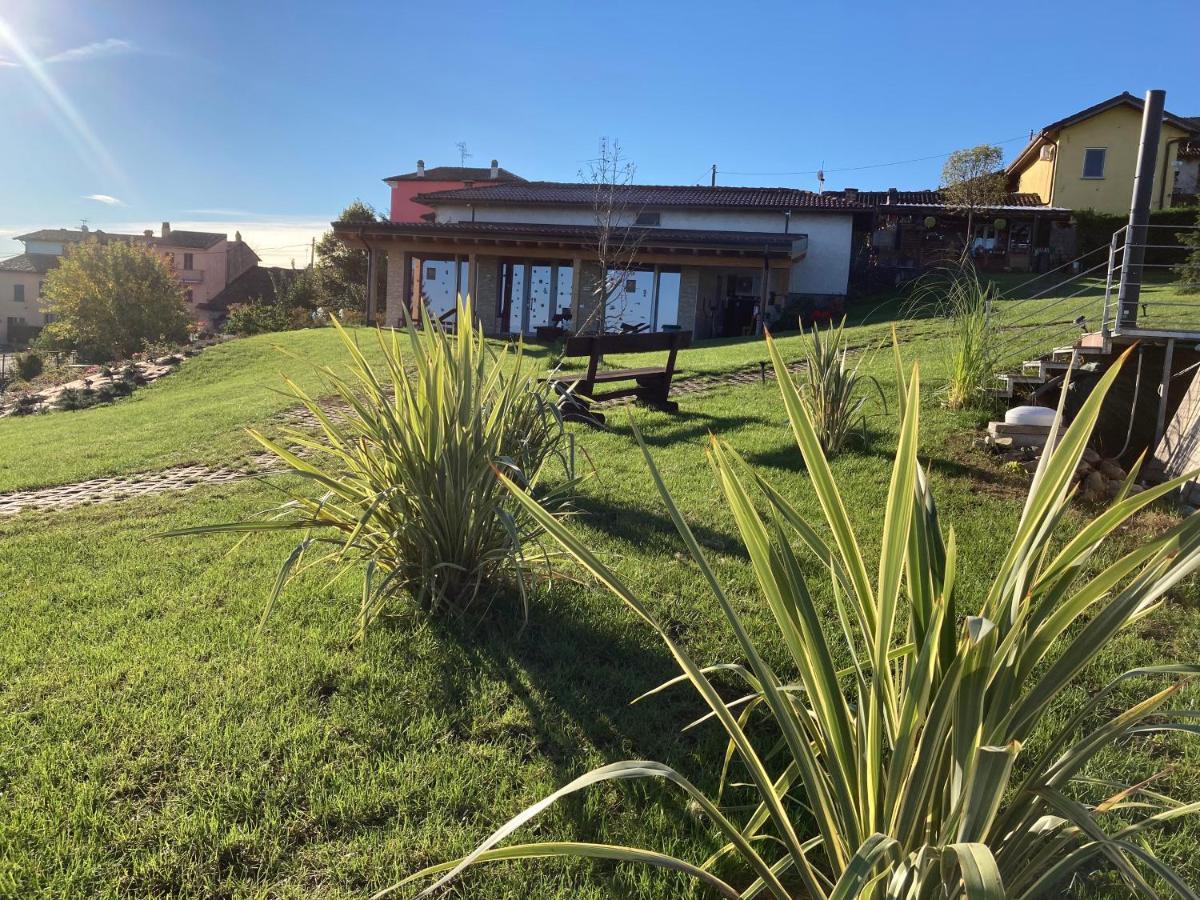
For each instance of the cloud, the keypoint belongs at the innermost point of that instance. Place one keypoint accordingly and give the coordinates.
(106, 199)
(94, 50)
(8, 64)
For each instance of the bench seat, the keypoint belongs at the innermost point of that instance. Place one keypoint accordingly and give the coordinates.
(653, 383)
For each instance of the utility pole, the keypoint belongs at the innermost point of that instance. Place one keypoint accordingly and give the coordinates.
(1139, 211)
(312, 254)
(714, 175)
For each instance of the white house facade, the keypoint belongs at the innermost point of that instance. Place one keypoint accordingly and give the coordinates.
(707, 259)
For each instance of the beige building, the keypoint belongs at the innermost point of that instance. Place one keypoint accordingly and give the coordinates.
(1088, 159)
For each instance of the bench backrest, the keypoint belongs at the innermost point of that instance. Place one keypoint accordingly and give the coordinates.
(597, 344)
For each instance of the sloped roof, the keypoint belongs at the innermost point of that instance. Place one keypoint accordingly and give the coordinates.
(648, 196)
(1122, 99)
(577, 234)
(191, 240)
(938, 199)
(256, 283)
(56, 234)
(33, 263)
(458, 173)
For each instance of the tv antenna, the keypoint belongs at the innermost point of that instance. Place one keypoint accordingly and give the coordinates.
(463, 153)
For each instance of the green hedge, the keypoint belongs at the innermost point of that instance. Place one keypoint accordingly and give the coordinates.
(1094, 229)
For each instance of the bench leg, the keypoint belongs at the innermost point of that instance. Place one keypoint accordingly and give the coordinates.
(654, 392)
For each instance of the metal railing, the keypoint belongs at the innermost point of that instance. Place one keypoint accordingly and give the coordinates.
(1156, 307)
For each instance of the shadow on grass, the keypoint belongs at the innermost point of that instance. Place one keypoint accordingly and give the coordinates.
(651, 530)
(685, 426)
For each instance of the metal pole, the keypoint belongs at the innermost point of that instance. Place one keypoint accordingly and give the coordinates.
(1139, 211)
(1164, 387)
(1108, 284)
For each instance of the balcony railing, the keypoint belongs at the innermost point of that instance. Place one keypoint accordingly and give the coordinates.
(191, 276)
(1164, 307)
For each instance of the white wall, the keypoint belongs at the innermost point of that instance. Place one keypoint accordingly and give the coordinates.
(824, 270)
(53, 248)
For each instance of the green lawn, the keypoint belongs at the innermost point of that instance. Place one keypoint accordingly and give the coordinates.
(153, 744)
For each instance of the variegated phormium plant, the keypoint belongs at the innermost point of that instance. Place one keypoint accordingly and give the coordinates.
(831, 390)
(402, 479)
(911, 773)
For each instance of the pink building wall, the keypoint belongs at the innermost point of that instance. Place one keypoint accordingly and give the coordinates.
(404, 208)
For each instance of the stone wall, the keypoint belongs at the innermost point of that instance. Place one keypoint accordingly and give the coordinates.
(486, 284)
(586, 315)
(689, 297)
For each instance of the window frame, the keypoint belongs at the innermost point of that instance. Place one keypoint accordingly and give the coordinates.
(1103, 163)
(648, 220)
(188, 262)
(19, 292)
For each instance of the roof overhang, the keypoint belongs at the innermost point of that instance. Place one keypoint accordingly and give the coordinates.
(505, 238)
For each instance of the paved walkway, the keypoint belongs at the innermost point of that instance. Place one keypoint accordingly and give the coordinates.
(184, 478)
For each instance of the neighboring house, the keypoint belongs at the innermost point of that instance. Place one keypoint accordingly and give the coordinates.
(204, 263)
(1088, 160)
(440, 178)
(916, 229)
(526, 252)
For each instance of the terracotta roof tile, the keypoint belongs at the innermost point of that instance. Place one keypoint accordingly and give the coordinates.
(458, 173)
(551, 193)
(34, 263)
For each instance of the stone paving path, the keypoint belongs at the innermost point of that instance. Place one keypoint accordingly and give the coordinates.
(184, 478)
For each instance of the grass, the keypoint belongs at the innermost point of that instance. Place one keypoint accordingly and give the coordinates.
(152, 744)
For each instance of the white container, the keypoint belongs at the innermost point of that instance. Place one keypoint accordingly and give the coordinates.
(1029, 415)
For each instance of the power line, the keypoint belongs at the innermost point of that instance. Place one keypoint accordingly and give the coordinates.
(899, 162)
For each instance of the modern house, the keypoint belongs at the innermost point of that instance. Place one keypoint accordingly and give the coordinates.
(205, 263)
(528, 253)
(406, 187)
(1087, 160)
(916, 229)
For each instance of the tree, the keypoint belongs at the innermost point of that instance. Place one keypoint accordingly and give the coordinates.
(108, 300)
(343, 271)
(973, 179)
(617, 241)
(1189, 270)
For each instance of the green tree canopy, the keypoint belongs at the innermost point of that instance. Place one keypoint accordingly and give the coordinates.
(973, 179)
(109, 299)
(344, 271)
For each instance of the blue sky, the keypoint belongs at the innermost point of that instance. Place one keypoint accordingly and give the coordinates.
(269, 118)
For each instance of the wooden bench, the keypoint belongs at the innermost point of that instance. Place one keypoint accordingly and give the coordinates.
(652, 384)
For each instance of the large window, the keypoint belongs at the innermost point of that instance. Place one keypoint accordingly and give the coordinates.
(19, 293)
(649, 296)
(187, 262)
(1093, 162)
(533, 294)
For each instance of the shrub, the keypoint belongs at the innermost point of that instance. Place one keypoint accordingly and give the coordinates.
(407, 478)
(1189, 270)
(107, 299)
(258, 318)
(911, 772)
(77, 398)
(830, 391)
(29, 366)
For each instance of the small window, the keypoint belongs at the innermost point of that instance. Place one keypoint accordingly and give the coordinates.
(1093, 162)
(19, 293)
(631, 286)
(187, 262)
(430, 273)
(648, 219)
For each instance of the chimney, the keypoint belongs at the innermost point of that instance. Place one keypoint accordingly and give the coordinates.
(893, 196)
(850, 194)
(166, 229)
(420, 168)
(495, 170)
(149, 232)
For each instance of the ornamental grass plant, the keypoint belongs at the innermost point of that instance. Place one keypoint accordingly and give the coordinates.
(931, 766)
(401, 479)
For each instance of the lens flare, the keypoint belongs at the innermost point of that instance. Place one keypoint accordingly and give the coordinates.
(68, 120)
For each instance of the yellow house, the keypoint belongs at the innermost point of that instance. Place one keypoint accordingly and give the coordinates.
(1087, 160)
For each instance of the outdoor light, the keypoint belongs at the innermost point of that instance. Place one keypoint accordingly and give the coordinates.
(930, 221)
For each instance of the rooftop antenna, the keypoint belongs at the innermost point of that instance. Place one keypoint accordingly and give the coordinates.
(821, 178)
(463, 153)
(83, 223)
